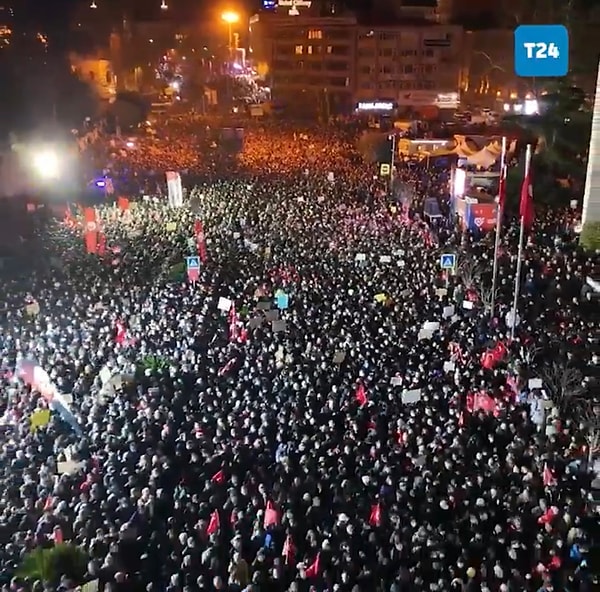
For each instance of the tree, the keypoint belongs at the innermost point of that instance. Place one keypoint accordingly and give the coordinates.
(129, 110)
(374, 147)
(76, 100)
(590, 236)
(49, 565)
(469, 271)
(486, 295)
(566, 387)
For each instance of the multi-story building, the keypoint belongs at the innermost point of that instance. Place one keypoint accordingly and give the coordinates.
(7, 16)
(414, 66)
(97, 71)
(308, 60)
(332, 63)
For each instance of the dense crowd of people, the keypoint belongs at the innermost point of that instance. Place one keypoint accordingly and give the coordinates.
(323, 409)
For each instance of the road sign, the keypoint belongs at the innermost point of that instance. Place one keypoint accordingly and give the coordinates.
(541, 50)
(448, 261)
(193, 268)
(192, 262)
(385, 169)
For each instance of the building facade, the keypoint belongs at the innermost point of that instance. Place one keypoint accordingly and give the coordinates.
(308, 60)
(97, 72)
(412, 65)
(332, 63)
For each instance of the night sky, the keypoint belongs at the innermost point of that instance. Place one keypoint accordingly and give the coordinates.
(54, 13)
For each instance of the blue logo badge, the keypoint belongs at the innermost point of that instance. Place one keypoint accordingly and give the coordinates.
(448, 261)
(541, 50)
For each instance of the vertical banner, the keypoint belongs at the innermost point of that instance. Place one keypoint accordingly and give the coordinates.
(90, 230)
(101, 244)
(123, 204)
(174, 189)
(200, 240)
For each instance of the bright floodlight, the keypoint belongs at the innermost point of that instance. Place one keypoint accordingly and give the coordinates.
(47, 164)
(230, 17)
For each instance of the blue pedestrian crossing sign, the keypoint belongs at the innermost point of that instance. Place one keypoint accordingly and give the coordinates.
(192, 262)
(448, 261)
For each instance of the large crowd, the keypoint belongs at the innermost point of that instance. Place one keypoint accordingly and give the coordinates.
(317, 411)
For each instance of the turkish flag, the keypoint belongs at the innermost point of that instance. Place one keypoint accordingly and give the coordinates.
(91, 230)
(120, 332)
(200, 240)
(375, 516)
(214, 523)
(526, 210)
(548, 477)
(101, 246)
(312, 571)
(218, 477)
(360, 394)
(289, 550)
(271, 515)
(488, 360)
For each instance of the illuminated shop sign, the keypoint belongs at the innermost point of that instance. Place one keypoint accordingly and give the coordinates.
(375, 106)
(293, 5)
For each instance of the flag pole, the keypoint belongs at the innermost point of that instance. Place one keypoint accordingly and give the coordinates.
(498, 225)
(520, 254)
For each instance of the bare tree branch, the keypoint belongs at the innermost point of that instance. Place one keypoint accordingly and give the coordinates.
(486, 296)
(528, 353)
(566, 387)
(470, 272)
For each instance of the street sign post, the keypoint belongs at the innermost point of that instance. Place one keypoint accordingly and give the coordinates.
(448, 261)
(192, 265)
(448, 264)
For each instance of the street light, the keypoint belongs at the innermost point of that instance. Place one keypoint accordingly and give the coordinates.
(230, 18)
(46, 164)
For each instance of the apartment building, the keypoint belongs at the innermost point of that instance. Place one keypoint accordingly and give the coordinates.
(309, 59)
(332, 63)
(412, 65)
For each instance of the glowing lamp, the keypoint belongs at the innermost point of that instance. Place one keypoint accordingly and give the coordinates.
(46, 164)
(230, 17)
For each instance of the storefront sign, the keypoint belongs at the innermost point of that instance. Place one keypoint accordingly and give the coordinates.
(292, 4)
(375, 106)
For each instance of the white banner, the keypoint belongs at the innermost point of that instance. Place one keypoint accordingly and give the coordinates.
(174, 189)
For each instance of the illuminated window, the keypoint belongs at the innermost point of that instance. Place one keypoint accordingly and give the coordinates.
(315, 34)
(329, 49)
(309, 49)
(299, 50)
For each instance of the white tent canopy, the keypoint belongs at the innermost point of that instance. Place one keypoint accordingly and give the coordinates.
(485, 158)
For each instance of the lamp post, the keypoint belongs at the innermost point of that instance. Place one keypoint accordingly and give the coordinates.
(230, 18)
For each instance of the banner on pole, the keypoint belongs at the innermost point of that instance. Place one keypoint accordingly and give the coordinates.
(174, 189)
